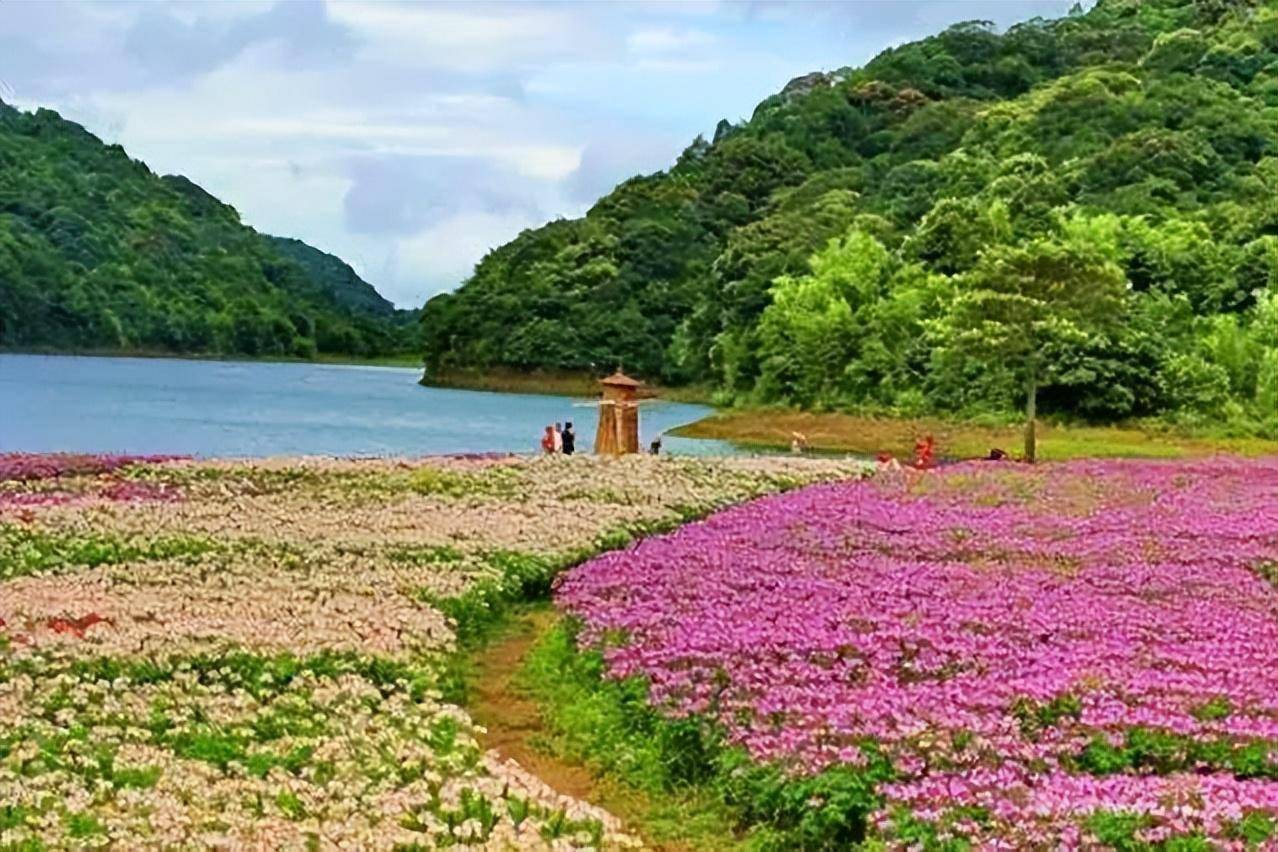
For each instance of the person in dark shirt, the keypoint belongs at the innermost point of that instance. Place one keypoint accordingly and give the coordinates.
(569, 438)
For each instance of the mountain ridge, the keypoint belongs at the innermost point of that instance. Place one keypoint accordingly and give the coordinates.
(97, 252)
(344, 282)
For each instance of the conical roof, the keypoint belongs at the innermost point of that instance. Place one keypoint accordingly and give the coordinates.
(621, 380)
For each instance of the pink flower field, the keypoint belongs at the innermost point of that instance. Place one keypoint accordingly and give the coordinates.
(1060, 657)
(29, 466)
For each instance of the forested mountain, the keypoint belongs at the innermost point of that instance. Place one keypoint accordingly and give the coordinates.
(99, 253)
(869, 237)
(337, 277)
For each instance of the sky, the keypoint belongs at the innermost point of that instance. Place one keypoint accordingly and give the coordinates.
(411, 138)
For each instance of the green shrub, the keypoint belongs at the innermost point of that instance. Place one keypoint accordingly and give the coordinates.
(27, 550)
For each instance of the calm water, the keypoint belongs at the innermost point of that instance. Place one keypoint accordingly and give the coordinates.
(229, 408)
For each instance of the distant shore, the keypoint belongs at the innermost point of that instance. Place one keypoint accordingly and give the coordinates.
(550, 382)
(407, 360)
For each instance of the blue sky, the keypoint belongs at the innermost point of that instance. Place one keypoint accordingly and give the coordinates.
(411, 138)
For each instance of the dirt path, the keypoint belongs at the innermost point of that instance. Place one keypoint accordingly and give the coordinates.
(513, 723)
(511, 716)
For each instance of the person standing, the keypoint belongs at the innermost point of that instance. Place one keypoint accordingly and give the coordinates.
(569, 439)
(559, 438)
(925, 453)
(548, 440)
(798, 443)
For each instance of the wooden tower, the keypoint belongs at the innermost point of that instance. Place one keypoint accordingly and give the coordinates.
(618, 416)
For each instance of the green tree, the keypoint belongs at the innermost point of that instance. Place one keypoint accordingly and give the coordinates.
(953, 233)
(1020, 300)
(809, 333)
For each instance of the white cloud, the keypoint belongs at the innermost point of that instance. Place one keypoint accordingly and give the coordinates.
(666, 40)
(469, 37)
(452, 246)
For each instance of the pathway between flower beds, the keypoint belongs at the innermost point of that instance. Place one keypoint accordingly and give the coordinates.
(511, 718)
(513, 726)
(1067, 656)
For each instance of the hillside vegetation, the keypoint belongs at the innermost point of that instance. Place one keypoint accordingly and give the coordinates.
(99, 253)
(898, 237)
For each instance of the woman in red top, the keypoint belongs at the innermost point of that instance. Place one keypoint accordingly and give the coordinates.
(548, 440)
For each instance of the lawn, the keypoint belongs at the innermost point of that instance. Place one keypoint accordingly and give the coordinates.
(265, 654)
(868, 436)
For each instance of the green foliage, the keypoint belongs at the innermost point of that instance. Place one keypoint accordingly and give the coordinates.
(1022, 306)
(346, 287)
(516, 578)
(1131, 140)
(99, 253)
(810, 331)
(513, 579)
(439, 481)
(1256, 828)
(1163, 752)
(83, 826)
(925, 834)
(1117, 830)
(1034, 718)
(27, 550)
(1216, 709)
(1268, 571)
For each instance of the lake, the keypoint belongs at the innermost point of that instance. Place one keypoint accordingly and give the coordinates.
(244, 408)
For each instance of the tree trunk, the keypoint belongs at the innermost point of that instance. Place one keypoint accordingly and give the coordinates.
(1031, 412)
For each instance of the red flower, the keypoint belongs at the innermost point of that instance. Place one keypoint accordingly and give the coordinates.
(74, 626)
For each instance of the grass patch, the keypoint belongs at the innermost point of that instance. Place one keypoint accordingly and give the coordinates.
(700, 792)
(27, 550)
(1268, 571)
(82, 826)
(614, 733)
(441, 554)
(497, 481)
(1150, 750)
(672, 780)
(485, 605)
(867, 436)
(518, 579)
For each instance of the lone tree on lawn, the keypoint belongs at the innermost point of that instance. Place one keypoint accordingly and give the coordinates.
(1019, 300)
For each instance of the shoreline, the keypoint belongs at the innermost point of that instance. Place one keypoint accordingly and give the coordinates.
(552, 383)
(829, 432)
(407, 361)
